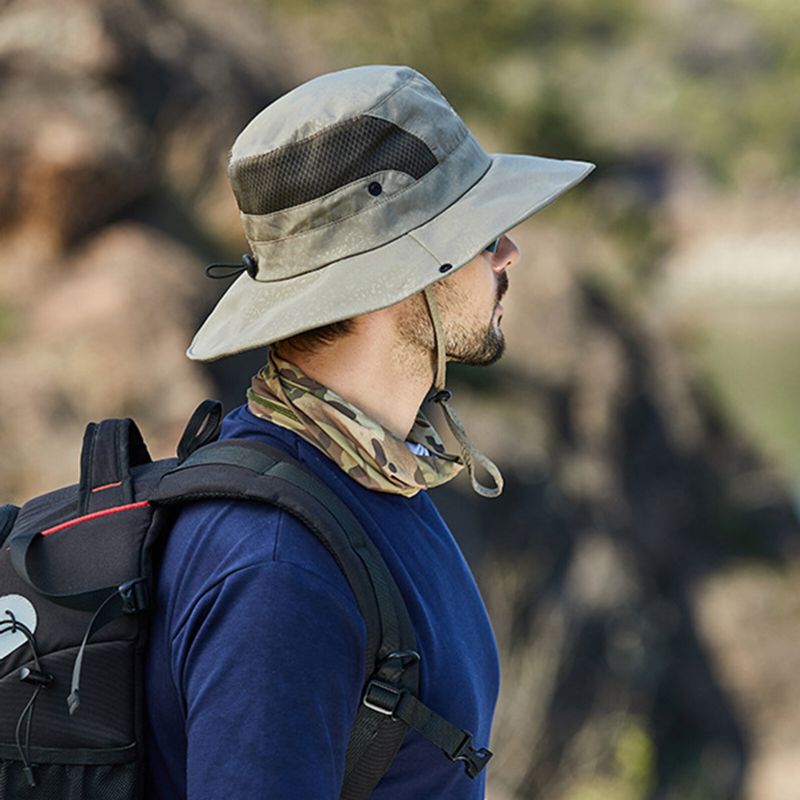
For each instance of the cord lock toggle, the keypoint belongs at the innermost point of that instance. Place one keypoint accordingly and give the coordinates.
(134, 596)
(35, 676)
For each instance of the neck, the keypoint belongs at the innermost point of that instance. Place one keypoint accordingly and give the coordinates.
(369, 369)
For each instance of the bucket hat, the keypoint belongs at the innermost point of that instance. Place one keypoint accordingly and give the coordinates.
(356, 190)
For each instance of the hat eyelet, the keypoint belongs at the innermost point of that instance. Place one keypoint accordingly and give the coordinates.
(445, 268)
(374, 188)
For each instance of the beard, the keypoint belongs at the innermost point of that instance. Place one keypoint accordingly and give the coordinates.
(475, 348)
(469, 337)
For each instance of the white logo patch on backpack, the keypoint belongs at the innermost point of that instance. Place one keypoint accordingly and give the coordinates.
(23, 611)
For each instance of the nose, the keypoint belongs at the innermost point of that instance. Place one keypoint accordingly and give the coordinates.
(506, 255)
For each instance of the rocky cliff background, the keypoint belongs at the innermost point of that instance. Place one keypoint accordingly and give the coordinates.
(641, 569)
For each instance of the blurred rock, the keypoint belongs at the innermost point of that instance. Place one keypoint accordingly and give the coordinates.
(78, 158)
(118, 118)
(104, 338)
(747, 616)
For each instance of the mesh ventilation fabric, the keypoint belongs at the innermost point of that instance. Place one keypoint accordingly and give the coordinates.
(342, 153)
(69, 781)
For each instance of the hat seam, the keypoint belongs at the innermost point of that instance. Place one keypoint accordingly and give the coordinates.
(344, 258)
(324, 130)
(391, 94)
(432, 145)
(372, 206)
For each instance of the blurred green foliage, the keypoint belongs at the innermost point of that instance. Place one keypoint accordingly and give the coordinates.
(713, 81)
(634, 775)
(755, 373)
(9, 322)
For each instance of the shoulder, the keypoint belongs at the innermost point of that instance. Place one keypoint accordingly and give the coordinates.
(214, 542)
(214, 538)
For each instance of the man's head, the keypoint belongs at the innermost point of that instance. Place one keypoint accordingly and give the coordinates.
(360, 189)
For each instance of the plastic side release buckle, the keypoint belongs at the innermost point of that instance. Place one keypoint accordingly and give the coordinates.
(382, 697)
(474, 760)
(134, 596)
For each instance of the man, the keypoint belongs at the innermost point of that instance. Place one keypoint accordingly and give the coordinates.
(376, 226)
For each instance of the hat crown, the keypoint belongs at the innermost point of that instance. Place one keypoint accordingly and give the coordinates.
(348, 162)
(323, 101)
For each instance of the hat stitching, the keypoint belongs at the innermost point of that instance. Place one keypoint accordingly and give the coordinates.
(522, 216)
(322, 132)
(343, 258)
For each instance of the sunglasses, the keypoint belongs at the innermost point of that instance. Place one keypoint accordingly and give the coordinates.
(492, 248)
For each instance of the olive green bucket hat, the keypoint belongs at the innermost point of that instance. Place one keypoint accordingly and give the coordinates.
(356, 190)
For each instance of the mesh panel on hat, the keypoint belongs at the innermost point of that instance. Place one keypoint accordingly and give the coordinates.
(342, 153)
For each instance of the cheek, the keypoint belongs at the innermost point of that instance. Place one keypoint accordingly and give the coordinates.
(468, 292)
(478, 280)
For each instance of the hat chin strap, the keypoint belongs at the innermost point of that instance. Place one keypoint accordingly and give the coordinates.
(469, 452)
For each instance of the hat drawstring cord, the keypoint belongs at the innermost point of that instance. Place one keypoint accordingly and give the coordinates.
(469, 452)
(222, 271)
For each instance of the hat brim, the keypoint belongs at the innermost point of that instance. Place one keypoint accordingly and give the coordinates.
(254, 313)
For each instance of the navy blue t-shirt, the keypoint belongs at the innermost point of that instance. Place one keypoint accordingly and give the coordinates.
(256, 660)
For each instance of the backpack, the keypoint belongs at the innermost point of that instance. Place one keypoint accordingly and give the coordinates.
(76, 578)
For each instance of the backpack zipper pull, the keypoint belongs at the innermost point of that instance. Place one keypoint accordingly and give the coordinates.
(132, 598)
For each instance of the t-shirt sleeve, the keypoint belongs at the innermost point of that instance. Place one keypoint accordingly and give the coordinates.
(269, 664)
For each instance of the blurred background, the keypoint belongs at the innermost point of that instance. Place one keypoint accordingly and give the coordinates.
(642, 568)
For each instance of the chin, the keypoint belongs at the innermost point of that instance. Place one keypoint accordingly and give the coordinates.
(489, 352)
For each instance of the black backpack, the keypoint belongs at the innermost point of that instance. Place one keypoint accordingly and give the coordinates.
(76, 575)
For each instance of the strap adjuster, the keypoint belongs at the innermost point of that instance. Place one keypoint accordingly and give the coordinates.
(474, 760)
(382, 697)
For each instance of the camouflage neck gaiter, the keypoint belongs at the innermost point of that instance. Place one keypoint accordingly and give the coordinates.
(365, 450)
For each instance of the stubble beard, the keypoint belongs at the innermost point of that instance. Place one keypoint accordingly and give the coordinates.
(468, 340)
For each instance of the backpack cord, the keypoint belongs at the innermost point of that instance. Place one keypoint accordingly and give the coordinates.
(73, 699)
(26, 753)
(26, 715)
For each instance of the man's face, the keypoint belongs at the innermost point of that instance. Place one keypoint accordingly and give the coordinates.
(469, 303)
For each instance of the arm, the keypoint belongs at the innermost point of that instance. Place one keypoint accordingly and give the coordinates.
(269, 666)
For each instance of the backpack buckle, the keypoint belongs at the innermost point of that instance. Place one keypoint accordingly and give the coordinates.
(474, 760)
(382, 697)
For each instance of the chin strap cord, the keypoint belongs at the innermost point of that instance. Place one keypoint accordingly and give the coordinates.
(469, 452)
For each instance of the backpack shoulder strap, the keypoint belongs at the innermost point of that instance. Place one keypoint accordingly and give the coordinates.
(250, 470)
